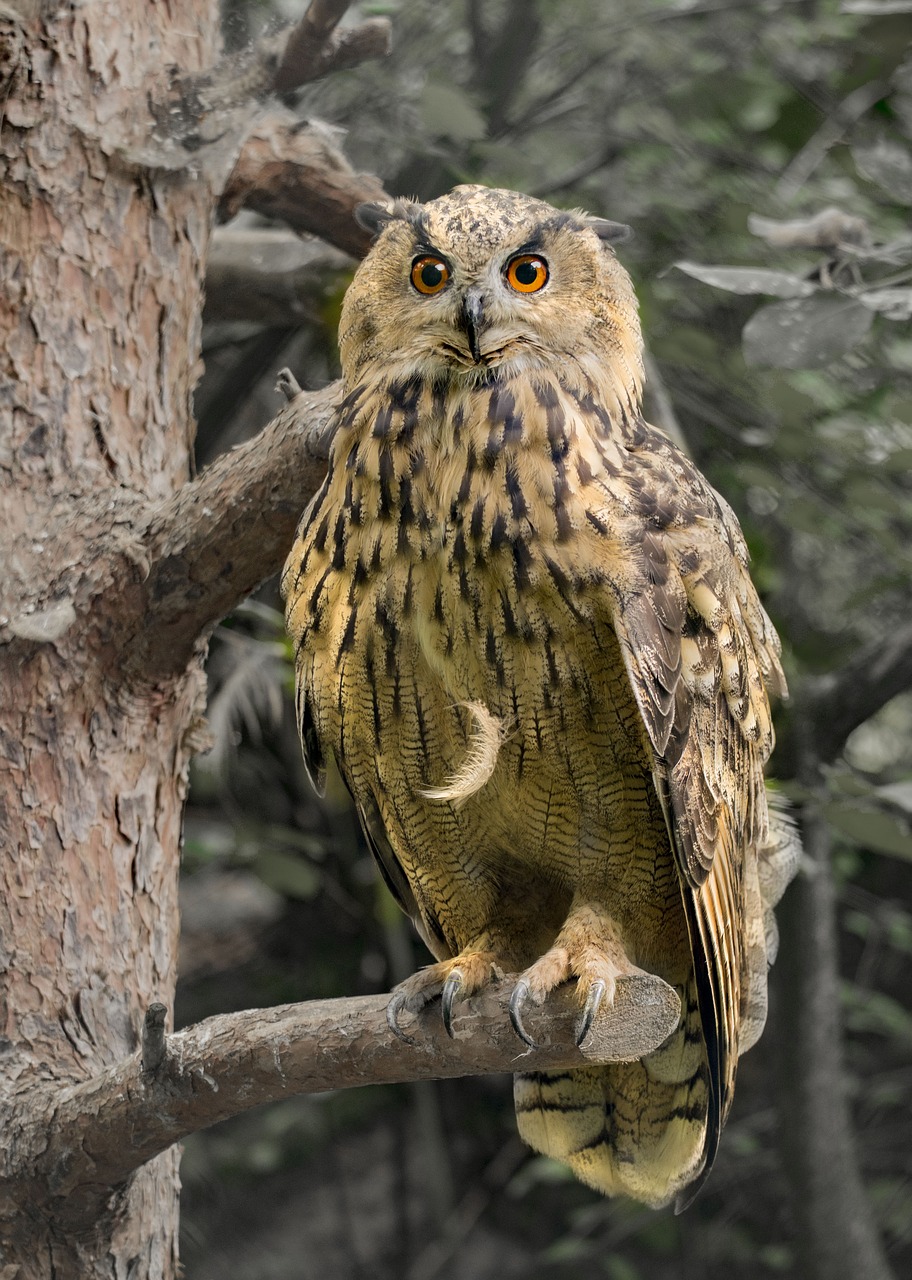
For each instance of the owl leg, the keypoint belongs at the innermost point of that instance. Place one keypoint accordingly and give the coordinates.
(589, 947)
(452, 980)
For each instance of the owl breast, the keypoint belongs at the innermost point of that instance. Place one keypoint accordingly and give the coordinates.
(449, 587)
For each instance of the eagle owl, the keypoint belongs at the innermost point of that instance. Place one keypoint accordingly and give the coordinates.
(524, 628)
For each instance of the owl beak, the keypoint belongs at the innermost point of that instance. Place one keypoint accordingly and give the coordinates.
(472, 319)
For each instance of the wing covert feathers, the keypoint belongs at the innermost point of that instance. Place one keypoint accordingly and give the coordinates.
(702, 657)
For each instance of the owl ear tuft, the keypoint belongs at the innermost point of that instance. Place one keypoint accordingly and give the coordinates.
(610, 232)
(373, 217)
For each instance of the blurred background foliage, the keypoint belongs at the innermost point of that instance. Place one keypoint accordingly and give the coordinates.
(720, 132)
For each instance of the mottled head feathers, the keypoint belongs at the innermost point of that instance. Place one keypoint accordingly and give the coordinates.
(475, 322)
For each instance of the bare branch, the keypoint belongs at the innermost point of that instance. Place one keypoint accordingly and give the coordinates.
(314, 47)
(200, 108)
(220, 535)
(76, 1145)
(832, 131)
(298, 174)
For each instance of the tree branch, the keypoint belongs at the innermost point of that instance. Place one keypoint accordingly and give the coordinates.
(195, 107)
(219, 536)
(314, 47)
(74, 1146)
(297, 173)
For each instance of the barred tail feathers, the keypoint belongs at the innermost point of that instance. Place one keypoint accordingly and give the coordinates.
(632, 1128)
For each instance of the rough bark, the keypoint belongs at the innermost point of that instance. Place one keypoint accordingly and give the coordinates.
(219, 536)
(110, 169)
(100, 353)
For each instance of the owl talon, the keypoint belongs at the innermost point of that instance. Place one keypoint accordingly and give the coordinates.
(398, 1002)
(593, 1004)
(452, 989)
(517, 1000)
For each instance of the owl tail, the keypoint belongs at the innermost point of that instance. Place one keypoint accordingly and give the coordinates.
(632, 1128)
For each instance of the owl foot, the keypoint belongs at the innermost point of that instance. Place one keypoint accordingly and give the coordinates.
(452, 980)
(588, 948)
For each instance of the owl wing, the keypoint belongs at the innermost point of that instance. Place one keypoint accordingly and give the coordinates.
(701, 654)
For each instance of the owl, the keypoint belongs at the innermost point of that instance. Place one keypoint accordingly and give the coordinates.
(525, 630)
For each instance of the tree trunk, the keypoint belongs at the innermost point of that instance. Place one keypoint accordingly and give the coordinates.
(837, 1238)
(102, 258)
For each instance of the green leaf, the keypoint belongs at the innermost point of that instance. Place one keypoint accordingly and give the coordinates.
(871, 829)
(777, 284)
(805, 333)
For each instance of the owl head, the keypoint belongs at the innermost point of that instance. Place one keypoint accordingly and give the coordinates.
(483, 283)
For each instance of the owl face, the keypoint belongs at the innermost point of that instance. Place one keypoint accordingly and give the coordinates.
(483, 281)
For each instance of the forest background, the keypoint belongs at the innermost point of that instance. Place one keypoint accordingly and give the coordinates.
(690, 122)
(763, 155)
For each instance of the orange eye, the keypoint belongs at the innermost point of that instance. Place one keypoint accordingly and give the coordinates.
(527, 273)
(429, 274)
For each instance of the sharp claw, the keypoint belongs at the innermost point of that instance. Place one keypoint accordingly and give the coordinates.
(397, 1003)
(452, 989)
(593, 1003)
(517, 1000)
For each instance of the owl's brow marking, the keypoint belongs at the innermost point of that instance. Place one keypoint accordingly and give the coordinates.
(417, 220)
(533, 245)
(549, 227)
(424, 247)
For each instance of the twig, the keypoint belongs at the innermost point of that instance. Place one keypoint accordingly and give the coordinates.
(827, 136)
(153, 1038)
(314, 47)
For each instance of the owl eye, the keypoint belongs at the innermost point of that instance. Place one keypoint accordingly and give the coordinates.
(429, 274)
(527, 273)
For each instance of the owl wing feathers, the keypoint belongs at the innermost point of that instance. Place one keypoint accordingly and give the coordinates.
(701, 655)
(394, 877)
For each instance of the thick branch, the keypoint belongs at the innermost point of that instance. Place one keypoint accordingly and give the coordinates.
(74, 1145)
(298, 175)
(220, 535)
